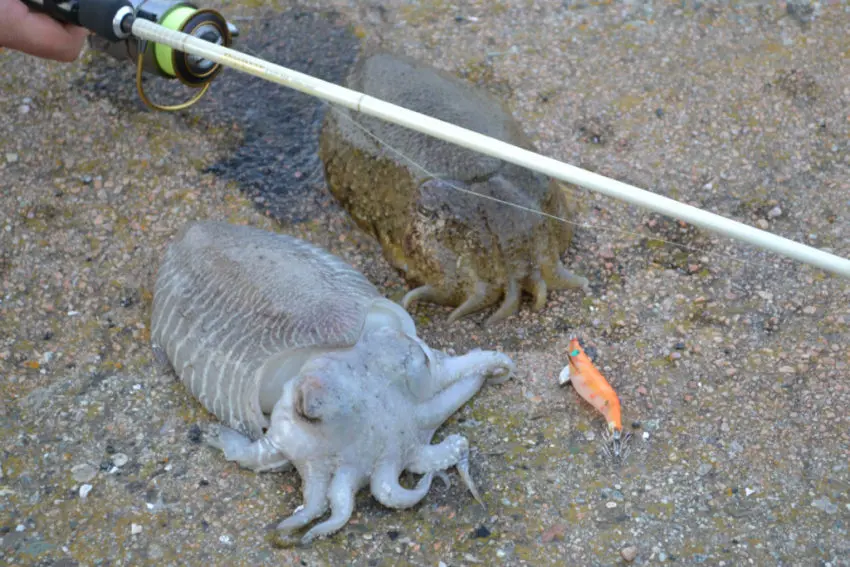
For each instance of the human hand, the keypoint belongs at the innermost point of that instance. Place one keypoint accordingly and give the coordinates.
(38, 34)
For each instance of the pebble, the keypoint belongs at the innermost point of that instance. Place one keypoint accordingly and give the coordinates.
(763, 224)
(704, 469)
(24, 108)
(120, 459)
(611, 504)
(11, 157)
(84, 490)
(735, 447)
(774, 213)
(481, 531)
(135, 529)
(20, 528)
(556, 532)
(629, 553)
(825, 504)
(83, 472)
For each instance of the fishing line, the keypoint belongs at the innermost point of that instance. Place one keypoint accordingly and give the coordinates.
(617, 230)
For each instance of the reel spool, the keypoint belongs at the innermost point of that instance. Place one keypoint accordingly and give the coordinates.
(111, 22)
(162, 60)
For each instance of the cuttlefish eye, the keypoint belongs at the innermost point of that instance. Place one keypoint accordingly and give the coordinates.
(309, 400)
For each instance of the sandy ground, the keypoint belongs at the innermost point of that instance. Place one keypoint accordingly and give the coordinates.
(732, 364)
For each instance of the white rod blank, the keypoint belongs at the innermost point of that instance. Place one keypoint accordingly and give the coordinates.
(366, 104)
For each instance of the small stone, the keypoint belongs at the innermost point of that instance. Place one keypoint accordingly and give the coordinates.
(225, 539)
(11, 157)
(810, 310)
(24, 109)
(645, 436)
(83, 472)
(481, 531)
(135, 529)
(763, 224)
(195, 435)
(629, 553)
(556, 532)
(825, 504)
(735, 447)
(610, 504)
(84, 490)
(20, 528)
(642, 391)
(774, 213)
(704, 469)
(120, 459)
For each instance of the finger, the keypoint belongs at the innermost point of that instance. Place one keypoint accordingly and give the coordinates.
(42, 36)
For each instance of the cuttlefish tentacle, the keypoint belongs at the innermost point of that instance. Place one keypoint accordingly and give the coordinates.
(387, 490)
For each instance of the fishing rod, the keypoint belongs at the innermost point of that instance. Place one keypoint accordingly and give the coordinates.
(176, 40)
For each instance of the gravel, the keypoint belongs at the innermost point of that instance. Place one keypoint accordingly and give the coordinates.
(742, 457)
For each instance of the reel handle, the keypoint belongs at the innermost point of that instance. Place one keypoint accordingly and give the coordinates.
(103, 17)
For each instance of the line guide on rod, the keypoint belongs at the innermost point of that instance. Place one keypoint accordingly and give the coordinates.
(201, 51)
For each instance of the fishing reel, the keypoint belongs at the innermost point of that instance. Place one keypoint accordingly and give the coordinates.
(111, 23)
